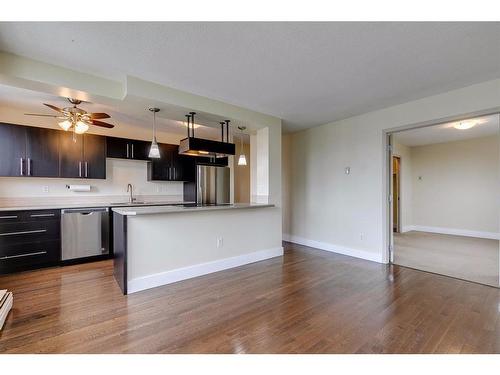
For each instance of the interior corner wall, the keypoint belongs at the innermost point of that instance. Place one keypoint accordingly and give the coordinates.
(406, 186)
(347, 213)
(285, 181)
(456, 186)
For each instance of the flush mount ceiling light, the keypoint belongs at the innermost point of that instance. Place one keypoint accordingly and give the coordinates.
(242, 160)
(154, 151)
(74, 118)
(464, 125)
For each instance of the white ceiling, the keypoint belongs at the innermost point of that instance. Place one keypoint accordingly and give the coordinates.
(132, 112)
(305, 73)
(486, 126)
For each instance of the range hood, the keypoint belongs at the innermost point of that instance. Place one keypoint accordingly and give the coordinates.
(205, 147)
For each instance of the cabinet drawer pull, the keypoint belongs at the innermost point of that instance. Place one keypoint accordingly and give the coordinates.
(24, 232)
(86, 169)
(9, 217)
(79, 169)
(127, 151)
(132, 150)
(23, 255)
(29, 167)
(21, 166)
(41, 215)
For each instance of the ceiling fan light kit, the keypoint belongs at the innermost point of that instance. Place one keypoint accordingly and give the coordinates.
(76, 119)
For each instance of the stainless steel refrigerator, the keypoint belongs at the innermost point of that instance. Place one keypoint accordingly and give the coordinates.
(213, 184)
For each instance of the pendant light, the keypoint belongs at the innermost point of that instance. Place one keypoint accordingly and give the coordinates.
(242, 160)
(154, 151)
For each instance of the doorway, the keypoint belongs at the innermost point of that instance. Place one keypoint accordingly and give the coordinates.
(444, 212)
(396, 188)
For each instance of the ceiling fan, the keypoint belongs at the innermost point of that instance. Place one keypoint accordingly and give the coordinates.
(74, 118)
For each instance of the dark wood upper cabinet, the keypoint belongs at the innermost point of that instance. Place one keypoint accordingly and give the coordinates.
(94, 156)
(171, 166)
(71, 155)
(28, 151)
(83, 156)
(140, 150)
(42, 152)
(12, 150)
(123, 148)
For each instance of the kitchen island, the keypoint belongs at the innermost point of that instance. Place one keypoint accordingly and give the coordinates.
(160, 245)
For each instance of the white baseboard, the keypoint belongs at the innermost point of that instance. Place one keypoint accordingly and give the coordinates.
(452, 231)
(335, 248)
(164, 278)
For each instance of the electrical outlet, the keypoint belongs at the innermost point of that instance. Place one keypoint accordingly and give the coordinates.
(45, 189)
(220, 242)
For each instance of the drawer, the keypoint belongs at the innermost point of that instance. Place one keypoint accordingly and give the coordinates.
(41, 215)
(35, 215)
(23, 257)
(11, 216)
(24, 232)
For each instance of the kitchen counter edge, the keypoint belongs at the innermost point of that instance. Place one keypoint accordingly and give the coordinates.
(152, 210)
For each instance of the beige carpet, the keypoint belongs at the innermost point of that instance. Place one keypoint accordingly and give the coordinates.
(468, 258)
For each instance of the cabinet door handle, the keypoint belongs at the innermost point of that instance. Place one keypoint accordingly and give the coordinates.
(128, 154)
(86, 169)
(29, 167)
(24, 232)
(21, 166)
(41, 215)
(79, 169)
(9, 217)
(132, 150)
(23, 255)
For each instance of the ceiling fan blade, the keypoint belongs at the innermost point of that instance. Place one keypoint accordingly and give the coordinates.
(41, 115)
(100, 123)
(54, 107)
(97, 115)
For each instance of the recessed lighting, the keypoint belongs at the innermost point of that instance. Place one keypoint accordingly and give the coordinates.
(464, 125)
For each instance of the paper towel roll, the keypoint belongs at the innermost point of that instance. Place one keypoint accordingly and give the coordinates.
(78, 187)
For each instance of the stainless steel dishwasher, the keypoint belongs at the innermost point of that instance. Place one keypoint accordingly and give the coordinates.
(84, 232)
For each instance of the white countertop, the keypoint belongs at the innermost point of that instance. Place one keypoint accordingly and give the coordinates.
(54, 206)
(133, 211)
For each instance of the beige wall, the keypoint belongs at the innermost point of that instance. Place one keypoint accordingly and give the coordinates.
(348, 213)
(286, 181)
(456, 185)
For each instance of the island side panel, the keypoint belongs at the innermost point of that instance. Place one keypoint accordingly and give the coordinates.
(120, 250)
(168, 247)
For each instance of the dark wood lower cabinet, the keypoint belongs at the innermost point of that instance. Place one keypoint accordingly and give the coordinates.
(29, 240)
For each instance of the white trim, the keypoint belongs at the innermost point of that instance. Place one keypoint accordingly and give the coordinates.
(168, 277)
(452, 231)
(363, 254)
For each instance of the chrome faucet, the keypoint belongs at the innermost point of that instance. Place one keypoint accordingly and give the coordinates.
(130, 189)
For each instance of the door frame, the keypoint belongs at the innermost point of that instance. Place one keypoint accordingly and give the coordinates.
(398, 227)
(387, 142)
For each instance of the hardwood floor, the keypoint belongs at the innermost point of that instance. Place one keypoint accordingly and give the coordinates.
(309, 301)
